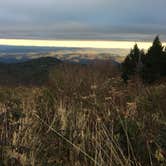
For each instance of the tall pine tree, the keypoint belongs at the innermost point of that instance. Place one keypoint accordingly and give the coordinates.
(132, 63)
(153, 67)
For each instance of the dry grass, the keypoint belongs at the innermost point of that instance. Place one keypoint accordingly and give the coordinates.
(87, 116)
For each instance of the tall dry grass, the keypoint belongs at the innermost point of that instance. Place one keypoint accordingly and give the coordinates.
(86, 116)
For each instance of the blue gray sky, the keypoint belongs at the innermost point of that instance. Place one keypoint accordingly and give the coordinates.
(83, 19)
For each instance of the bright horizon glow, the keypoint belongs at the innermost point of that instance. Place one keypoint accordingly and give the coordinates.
(76, 43)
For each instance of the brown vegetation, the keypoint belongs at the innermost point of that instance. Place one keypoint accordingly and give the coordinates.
(86, 116)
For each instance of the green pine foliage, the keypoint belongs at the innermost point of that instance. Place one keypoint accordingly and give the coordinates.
(150, 66)
(132, 63)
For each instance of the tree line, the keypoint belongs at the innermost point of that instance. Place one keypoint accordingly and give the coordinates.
(149, 66)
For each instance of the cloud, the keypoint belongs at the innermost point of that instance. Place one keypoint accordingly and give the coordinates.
(91, 18)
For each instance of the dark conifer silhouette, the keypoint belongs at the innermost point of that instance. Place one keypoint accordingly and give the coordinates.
(153, 62)
(132, 63)
(150, 66)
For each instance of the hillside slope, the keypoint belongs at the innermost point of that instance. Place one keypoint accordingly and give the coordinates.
(31, 72)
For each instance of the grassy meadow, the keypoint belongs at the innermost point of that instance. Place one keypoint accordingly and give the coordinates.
(85, 115)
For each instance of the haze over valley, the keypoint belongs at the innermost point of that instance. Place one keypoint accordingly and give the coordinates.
(13, 54)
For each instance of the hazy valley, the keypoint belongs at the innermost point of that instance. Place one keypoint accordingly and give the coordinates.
(13, 54)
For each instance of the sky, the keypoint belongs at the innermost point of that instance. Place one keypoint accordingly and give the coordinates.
(75, 43)
(135, 20)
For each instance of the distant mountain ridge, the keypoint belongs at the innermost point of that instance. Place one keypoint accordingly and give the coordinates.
(15, 54)
(31, 65)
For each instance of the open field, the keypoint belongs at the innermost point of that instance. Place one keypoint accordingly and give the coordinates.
(85, 116)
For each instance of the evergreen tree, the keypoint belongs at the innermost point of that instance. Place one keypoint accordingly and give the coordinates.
(132, 63)
(153, 67)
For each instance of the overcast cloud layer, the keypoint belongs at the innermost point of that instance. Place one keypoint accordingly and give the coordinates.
(83, 19)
